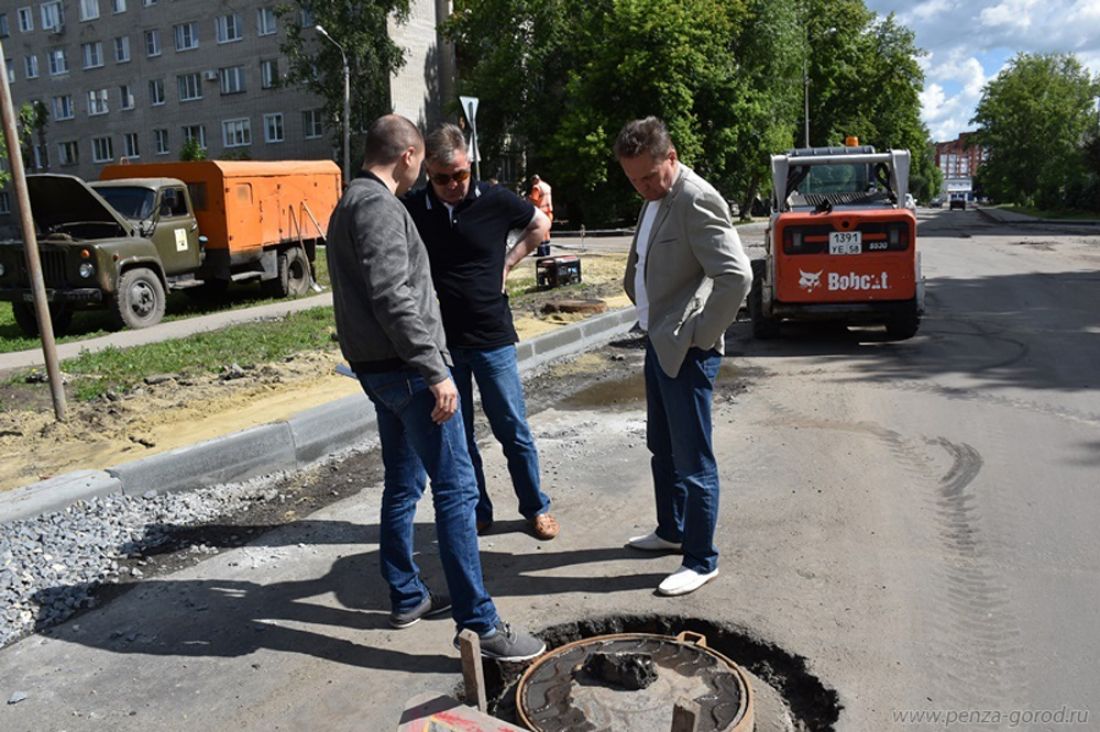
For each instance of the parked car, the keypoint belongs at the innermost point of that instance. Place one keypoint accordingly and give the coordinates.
(957, 202)
(936, 202)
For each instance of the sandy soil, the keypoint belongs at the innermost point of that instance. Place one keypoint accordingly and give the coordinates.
(185, 410)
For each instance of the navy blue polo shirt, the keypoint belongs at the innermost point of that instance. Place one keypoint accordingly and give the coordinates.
(466, 249)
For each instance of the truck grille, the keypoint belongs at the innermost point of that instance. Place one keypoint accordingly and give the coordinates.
(53, 269)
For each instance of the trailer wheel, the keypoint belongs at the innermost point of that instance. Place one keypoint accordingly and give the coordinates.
(294, 275)
(140, 300)
(763, 326)
(904, 325)
(61, 315)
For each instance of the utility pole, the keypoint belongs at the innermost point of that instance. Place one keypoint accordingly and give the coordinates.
(30, 243)
(347, 103)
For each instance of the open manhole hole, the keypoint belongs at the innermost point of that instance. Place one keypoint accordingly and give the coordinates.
(629, 672)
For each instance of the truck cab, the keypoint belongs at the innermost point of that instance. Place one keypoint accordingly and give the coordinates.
(161, 210)
(841, 243)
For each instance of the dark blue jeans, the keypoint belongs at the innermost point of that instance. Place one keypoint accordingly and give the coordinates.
(678, 434)
(497, 376)
(415, 448)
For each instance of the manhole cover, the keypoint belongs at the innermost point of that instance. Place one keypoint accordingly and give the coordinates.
(632, 681)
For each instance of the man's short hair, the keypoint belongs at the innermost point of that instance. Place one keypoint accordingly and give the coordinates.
(389, 137)
(639, 136)
(443, 143)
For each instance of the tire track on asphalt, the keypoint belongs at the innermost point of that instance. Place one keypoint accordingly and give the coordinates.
(975, 638)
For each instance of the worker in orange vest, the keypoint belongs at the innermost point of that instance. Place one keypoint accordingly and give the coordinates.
(540, 195)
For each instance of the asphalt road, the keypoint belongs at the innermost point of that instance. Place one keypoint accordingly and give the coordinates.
(917, 520)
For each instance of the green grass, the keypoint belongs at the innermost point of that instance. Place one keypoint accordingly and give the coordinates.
(1072, 215)
(247, 344)
(93, 323)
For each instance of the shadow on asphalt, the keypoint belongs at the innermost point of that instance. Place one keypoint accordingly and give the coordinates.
(1034, 330)
(229, 618)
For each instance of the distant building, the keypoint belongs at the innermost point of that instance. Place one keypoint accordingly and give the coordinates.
(959, 160)
(136, 78)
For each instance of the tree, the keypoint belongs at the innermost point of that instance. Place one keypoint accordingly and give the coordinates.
(361, 28)
(1033, 119)
(192, 150)
(30, 122)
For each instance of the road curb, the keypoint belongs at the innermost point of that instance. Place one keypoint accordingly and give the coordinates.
(289, 444)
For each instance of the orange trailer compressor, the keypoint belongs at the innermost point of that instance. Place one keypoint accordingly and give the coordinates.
(256, 219)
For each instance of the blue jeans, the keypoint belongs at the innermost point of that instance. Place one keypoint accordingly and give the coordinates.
(415, 448)
(685, 474)
(501, 390)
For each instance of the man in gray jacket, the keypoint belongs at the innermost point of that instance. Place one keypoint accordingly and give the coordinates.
(390, 332)
(687, 275)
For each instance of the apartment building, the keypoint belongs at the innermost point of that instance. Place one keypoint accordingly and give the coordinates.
(959, 160)
(137, 78)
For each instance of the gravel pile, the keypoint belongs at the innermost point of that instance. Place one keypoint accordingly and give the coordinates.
(51, 565)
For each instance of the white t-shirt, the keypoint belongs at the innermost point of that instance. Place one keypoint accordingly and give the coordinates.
(645, 232)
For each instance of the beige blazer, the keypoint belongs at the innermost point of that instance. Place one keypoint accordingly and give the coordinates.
(697, 274)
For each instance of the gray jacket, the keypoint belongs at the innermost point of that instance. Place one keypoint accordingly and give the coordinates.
(386, 309)
(696, 274)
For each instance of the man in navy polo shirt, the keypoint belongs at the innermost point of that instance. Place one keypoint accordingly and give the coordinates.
(465, 227)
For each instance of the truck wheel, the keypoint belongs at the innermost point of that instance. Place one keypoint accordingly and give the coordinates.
(903, 326)
(61, 316)
(763, 326)
(294, 277)
(139, 302)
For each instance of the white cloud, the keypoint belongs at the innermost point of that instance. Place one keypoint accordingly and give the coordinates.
(969, 41)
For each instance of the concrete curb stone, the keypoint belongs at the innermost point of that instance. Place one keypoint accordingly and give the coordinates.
(288, 444)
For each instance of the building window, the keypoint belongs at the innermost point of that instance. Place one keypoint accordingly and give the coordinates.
(58, 63)
(187, 36)
(122, 49)
(127, 95)
(103, 150)
(160, 140)
(97, 102)
(63, 107)
(228, 28)
(152, 43)
(156, 92)
(93, 54)
(4, 31)
(68, 153)
(5, 202)
(26, 20)
(40, 157)
(118, 6)
(236, 132)
(232, 79)
(311, 122)
(265, 22)
(130, 145)
(30, 66)
(190, 87)
(306, 16)
(147, 3)
(269, 74)
(11, 70)
(273, 127)
(89, 9)
(52, 17)
(197, 133)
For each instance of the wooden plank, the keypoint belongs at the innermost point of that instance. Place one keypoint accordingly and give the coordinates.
(473, 674)
(685, 716)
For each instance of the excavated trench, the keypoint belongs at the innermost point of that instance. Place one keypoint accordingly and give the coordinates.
(783, 694)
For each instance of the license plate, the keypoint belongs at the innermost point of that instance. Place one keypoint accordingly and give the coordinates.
(845, 242)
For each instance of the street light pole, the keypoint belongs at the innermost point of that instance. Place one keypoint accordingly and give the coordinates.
(347, 103)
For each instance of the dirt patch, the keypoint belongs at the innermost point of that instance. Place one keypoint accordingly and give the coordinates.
(176, 410)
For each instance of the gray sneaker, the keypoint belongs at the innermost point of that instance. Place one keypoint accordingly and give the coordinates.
(431, 606)
(508, 644)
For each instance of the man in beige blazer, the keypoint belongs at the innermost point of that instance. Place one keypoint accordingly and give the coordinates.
(687, 275)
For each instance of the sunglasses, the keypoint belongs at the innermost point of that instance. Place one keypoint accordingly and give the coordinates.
(442, 179)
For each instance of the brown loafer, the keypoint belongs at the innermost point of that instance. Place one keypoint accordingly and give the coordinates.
(544, 526)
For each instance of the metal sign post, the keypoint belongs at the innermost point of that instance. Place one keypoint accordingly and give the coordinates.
(469, 107)
(30, 242)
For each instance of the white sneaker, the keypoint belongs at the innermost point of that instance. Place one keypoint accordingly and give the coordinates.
(652, 543)
(684, 580)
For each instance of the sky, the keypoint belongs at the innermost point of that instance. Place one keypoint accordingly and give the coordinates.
(969, 41)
